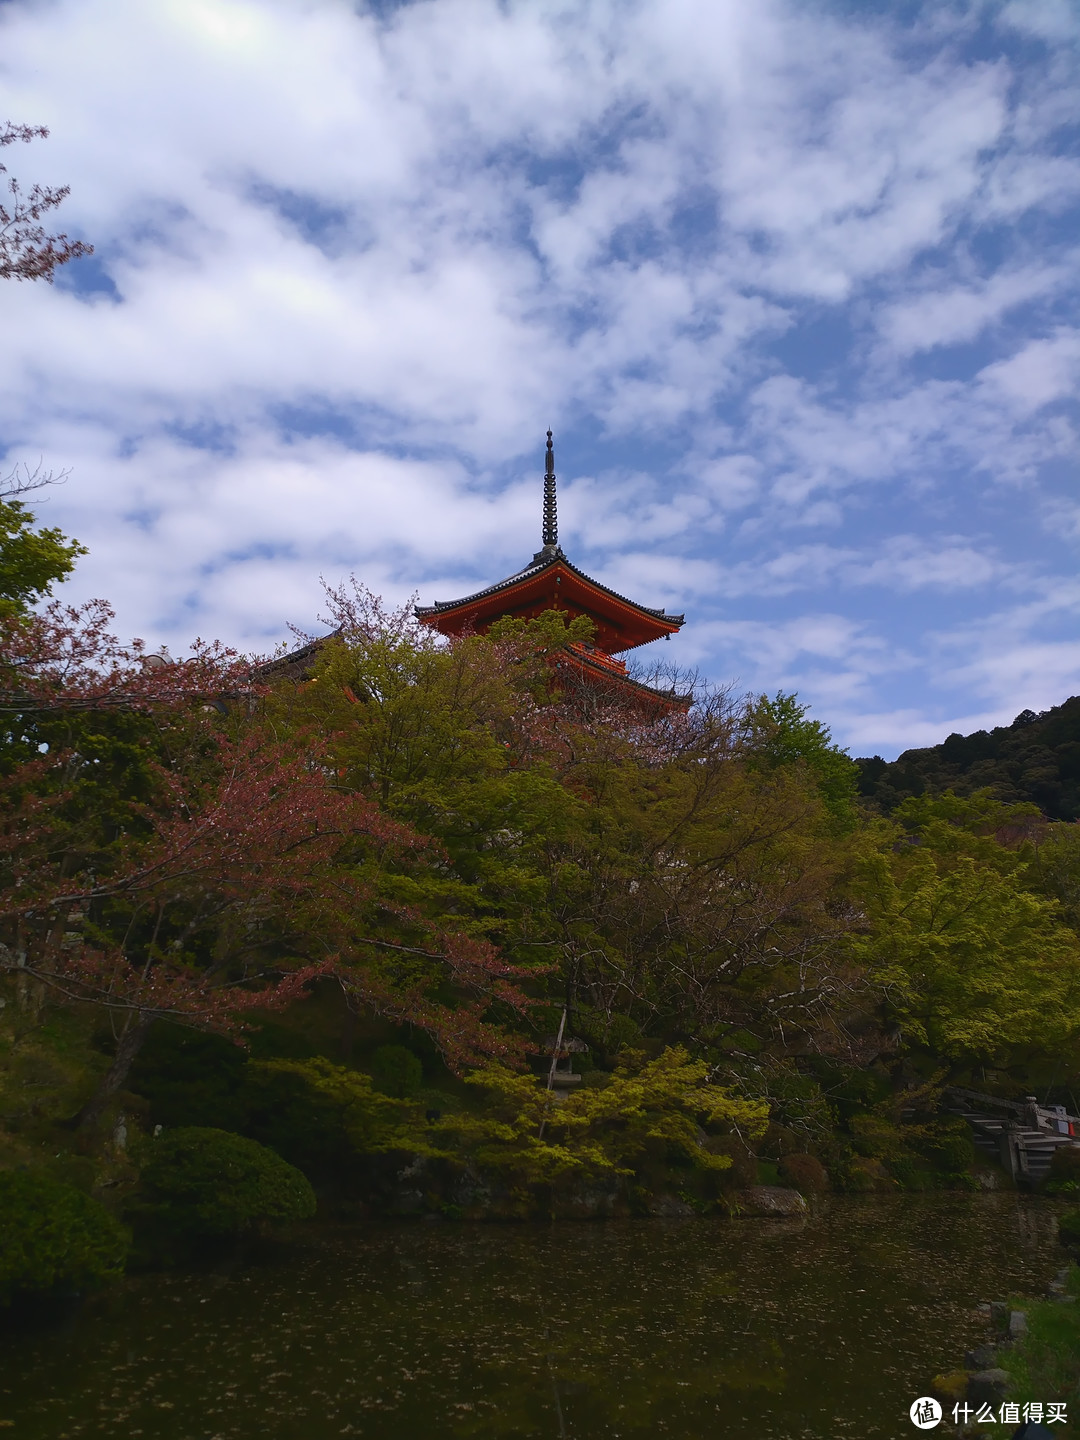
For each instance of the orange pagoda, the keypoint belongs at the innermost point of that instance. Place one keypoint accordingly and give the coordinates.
(551, 582)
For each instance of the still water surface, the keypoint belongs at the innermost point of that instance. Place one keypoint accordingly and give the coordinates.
(684, 1329)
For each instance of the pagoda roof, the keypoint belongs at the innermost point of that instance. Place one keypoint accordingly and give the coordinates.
(551, 581)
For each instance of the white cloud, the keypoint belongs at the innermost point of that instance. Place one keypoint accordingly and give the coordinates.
(902, 564)
(358, 264)
(1038, 374)
(951, 315)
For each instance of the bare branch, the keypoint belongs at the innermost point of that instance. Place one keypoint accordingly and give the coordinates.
(22, 480)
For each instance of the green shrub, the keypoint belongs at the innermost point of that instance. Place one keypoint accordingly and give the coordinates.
(1069, 1228)
(53, 1237)
(1065, 1164)
(949, 1145)
(202, 1183)
(906, 1171)
(877, 1137)
(804, 1173)
(957, 1180)
(396, 1071)
(853, 1176)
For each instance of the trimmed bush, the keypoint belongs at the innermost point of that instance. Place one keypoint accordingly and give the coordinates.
(396, 1071)
(54, 1238)
(804, 1173)
(201, 1183)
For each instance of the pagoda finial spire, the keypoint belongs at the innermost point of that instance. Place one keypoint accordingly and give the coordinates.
(551, 516)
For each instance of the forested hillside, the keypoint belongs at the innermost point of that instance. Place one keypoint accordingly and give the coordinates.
(1035, 759)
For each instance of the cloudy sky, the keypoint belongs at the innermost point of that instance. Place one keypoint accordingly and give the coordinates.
(795, 285)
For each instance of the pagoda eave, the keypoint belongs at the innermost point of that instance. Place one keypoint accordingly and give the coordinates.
(554, 585)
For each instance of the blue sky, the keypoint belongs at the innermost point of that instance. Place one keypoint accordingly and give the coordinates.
(794, 284)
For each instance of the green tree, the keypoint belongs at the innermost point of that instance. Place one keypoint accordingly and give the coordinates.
(974, 962)
(681, 870)
(659, 1104)
(31, 560)
(781, 734)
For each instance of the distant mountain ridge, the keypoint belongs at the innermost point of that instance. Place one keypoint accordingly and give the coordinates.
(1036, 758)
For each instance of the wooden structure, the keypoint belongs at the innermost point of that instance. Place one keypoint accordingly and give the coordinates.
(1020, 1136)
(551, 582)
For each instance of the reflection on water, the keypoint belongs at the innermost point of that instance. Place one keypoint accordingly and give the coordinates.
(818, 1328)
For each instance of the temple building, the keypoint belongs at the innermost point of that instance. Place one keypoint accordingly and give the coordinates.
(550, 582)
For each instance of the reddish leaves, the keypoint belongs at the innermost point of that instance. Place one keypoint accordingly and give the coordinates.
(240, 872)
(27, 252)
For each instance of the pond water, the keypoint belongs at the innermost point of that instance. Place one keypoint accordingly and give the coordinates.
(818, 1328)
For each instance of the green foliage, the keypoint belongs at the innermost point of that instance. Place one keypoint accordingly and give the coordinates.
(1055, 870)
(205, 1183)
(973, 962)
(782, 735)
(30, 560)
(323, 1116)
(706, 879)
(1065, 1167)
(53, 1237)
(1045, 1364)
(1035, 759)
(396, 1071)
(949, 1146)
(1069, 1228)
(655, 1109)
(608, 1034)
(191, 1078)
(878, 1136)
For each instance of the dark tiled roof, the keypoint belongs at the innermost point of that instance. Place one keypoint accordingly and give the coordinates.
(537, 566)
(296, 663)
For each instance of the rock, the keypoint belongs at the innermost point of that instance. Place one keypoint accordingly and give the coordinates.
(986, 1387)
(981, 1358)
(470, 1192)
(988, 1179)
(771, 1200)
(1017, 1325)
(670, 1207)
(591, 1202)
(999, 1311)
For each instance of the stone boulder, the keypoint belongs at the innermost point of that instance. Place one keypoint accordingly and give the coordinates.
(771, 1200)
(669, 1207)
(981, 1358)
(987, 1387)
